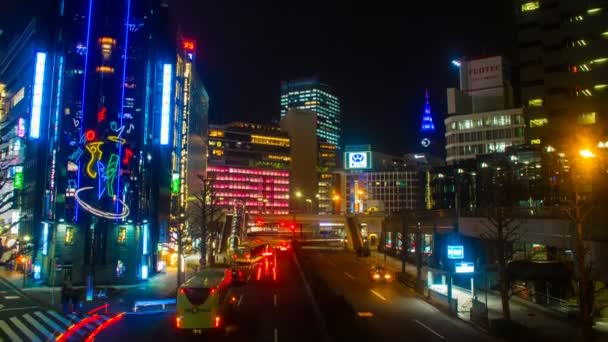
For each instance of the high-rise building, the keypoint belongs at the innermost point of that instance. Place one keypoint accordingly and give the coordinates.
(108, 136)
(428, 139)
(377, 182)
(564, 70)
(481, 114)
(313, 95)
(249, 165)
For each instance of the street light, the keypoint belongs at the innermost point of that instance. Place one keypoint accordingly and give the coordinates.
(336, 198)
(587, 154)
(298, 194)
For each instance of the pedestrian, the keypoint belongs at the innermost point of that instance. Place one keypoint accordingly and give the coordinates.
(66, 294)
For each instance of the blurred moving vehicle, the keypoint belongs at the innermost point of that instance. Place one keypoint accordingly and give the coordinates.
(206, 300)
(284, 246)
(379, 273)
(242, 256)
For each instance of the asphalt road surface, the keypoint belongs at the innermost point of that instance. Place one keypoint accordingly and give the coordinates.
(267, 310)
(394, 311)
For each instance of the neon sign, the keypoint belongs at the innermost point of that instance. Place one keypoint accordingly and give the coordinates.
(188, 45)
(455, 252)
(100, 213)
(21, 127)
(101, 181)
(166, 104)
(18, 179)
(175, 183)
(37, 95)
(94, 149)
(101, 114)
(128, 156)
(111, 172)
(90, 135)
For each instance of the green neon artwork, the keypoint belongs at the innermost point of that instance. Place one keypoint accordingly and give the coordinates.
(111, 171)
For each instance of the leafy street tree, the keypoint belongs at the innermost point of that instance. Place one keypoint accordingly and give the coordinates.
(205, 219)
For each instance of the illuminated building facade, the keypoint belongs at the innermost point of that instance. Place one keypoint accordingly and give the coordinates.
(377, 182)
(563, 70)
(25, 77)
(250, 165)
(249, 144)
(481, 114)
(312, 95)
(329, 180)
(111, 93)
(261, 191)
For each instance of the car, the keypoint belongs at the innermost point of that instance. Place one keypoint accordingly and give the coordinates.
(379, 273)
(242, 256)
(266, 270)
(284, 246)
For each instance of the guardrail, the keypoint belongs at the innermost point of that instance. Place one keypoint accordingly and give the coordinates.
(163, 303)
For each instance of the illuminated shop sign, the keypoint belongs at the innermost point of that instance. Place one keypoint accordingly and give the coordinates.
(21, 127)
(464, 267)
(175, 183)
(18, 180)
(455, 252)
(358, 160)
(166, 104)
(37, 95)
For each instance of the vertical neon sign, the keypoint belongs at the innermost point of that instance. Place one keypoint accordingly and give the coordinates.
(45, 238)
(37, 95)
(166, 104)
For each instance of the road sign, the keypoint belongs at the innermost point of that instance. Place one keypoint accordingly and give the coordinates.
(464, 267)
(455, 252)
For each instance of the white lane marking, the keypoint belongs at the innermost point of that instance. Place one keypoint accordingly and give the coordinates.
(240, 300)
(349, 275)
(365, 314)
(378, 295)
(429, 329)
(60, 318)
(38, 326)
(19, 308)
(276, 335)
(30, 335)
(9, 332)
(12, 297)
(275, 300)
(48, 321)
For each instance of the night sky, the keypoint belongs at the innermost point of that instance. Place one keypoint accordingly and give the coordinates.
(377, 55)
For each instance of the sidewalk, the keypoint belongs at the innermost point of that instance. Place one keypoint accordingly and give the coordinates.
(528, 314)
(120, 297)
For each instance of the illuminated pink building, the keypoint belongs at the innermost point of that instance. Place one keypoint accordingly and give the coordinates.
(263, 191)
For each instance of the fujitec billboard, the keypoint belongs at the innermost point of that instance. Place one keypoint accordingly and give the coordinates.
(484, 73)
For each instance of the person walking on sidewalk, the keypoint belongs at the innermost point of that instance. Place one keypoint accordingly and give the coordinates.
(66, 296)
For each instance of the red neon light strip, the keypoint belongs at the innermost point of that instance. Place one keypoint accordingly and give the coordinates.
(99, 308)
(75, 327)
(104, 325)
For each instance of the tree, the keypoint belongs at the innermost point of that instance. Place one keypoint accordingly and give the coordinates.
(205, 219)
(501, 231)
(182, 235)
(578, 213)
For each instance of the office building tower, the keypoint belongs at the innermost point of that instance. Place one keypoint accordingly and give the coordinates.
(249, 167)
(481, 115)
(564, 71)
(315, 96)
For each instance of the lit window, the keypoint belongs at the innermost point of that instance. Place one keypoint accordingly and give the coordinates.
(540, 122)
(122, 235)
(530, 6)
(17, 97)
(218, 153)
(535, 141)
(535, 103)
(216, 133)
(587, 118)
(69, 235)
(104, 69)
(584, 92)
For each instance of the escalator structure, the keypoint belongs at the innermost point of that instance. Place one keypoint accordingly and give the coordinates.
(225, 233)
(355, 239)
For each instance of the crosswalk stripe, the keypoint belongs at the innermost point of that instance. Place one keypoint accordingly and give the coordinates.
(60, 318)
(25, 330)
(38, 326)
(9, 332)
(49, 321)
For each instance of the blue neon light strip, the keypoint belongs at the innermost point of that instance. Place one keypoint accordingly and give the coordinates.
(37, 95)
(145, 239)
(84, 88)
(45, 238)
(122, 100)
(58, 99)
(166, 104)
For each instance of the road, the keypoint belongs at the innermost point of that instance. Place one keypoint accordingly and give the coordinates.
(266, 311)
(393, 311)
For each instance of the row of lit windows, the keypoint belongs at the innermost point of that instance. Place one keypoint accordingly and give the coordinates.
(247, 171)
(268, 140)
(477, 149)
(252, 195)
(488, 121)
(249, 179)
(230, 202)
(249, 186)
(495, 134)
